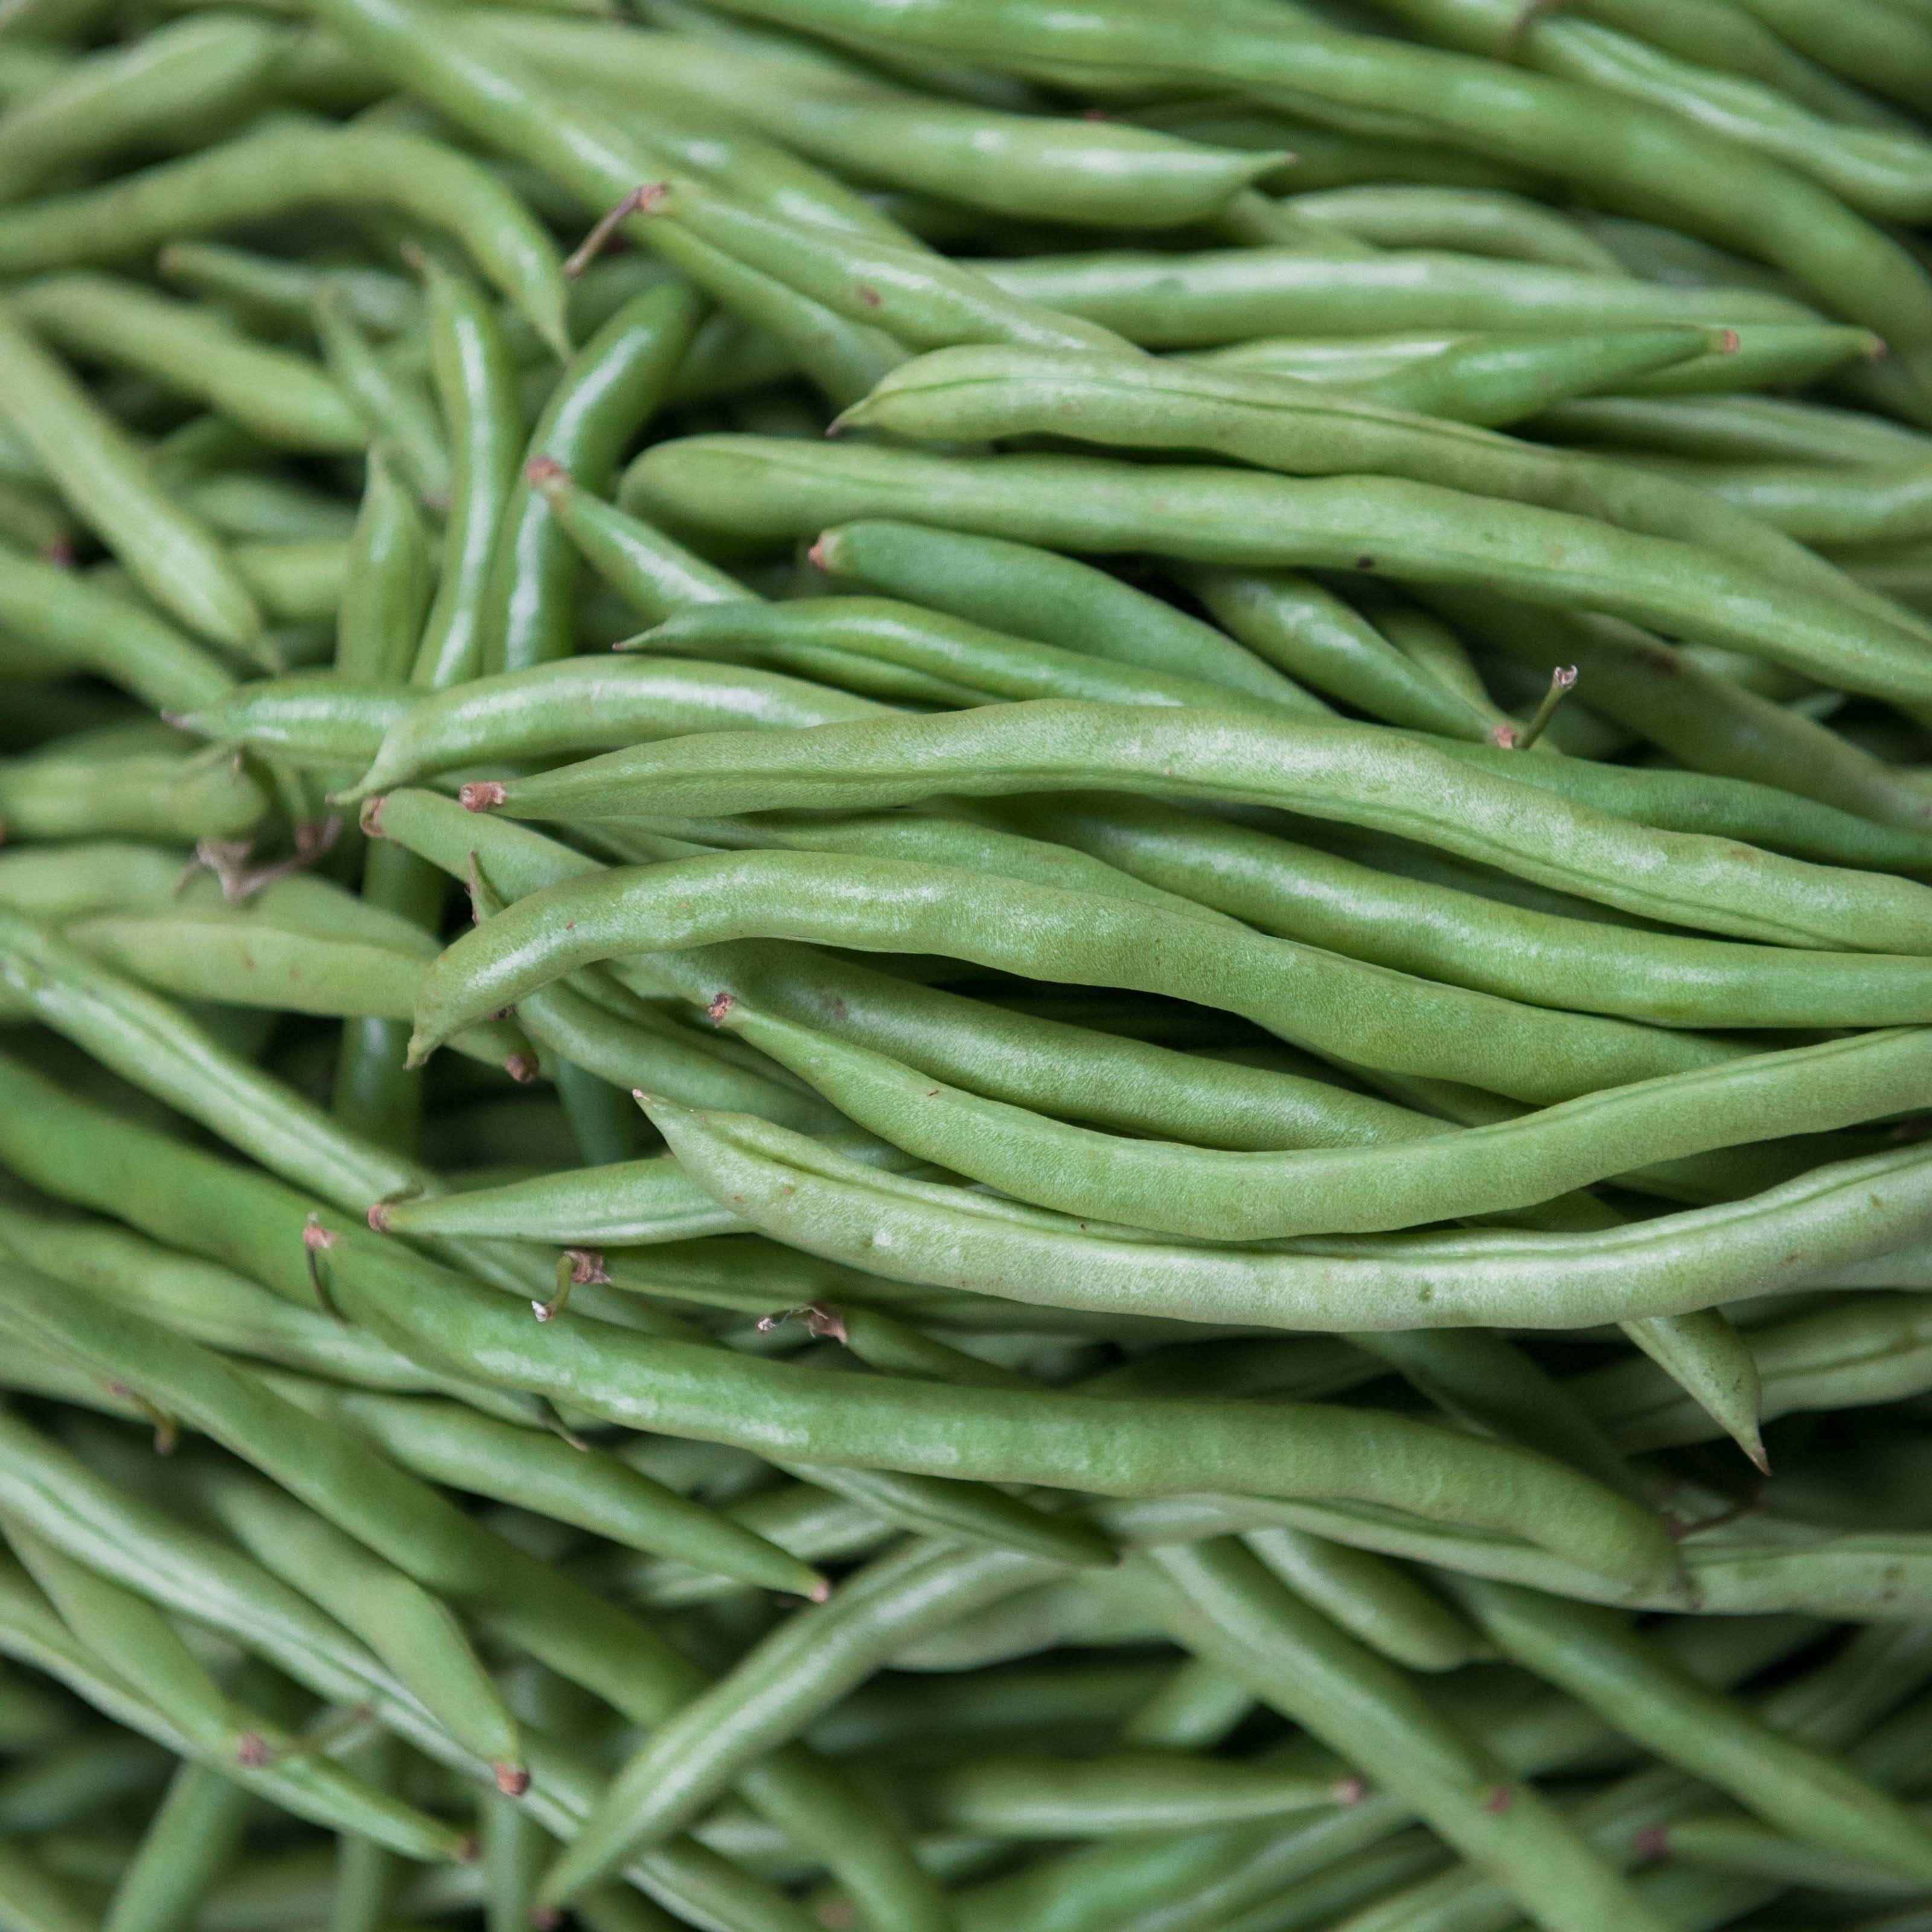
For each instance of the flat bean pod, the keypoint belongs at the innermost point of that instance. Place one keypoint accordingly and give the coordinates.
(1355, 774)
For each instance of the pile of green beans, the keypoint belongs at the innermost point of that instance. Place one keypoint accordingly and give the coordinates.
(965, 967)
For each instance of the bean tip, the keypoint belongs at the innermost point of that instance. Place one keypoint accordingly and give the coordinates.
(371, 816)
(819, 555)
(821, 1591)
(379, 1217)
(484, 796)
(522, 1068)
(512, 1780)
(468, 1849)
(542, 472)
(1350, 1790)
(720, 1005)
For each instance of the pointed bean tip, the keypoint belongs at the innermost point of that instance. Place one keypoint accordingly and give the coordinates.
(379, 1217)
(819, 554)
(821, 1591)
(522, 1068)
(371, 816)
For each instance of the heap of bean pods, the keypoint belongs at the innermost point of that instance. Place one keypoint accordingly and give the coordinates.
(966, 965)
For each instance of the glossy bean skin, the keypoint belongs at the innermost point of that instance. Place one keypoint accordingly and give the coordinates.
(653, 573)
(583, 704)
(1031, 592)
(1248, 419)
(475, 386)
(1475, 221)
(121, 95)
(318, 720)
(1110, 175)
(1269, 1197)
(880, 905)
(884, 636)
(795, 1191)
(1321, 770)
(280, 397)
(387, 584)
(99, 473)
(604, 398)
(1828, 507)
(263, 175)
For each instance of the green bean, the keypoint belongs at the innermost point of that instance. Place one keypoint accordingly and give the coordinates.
(1886, 48)
(1371, 1599)
(1024, 591)
(100, 475)
(1640, 158)
(1326, 771)
(1109, 175)
(78, 1780)
(294, 581)
(1591, 1655)
(1704, 719)
(34, 1900)
(1829, 507)
(1732, 429)
(1475, 221)
(602, 163)
(1221, 1196)
(284, 291)
(385, 591)
(396, 416)
(654, 574)
(614, 385)
(1226, 1606)
(170, 79)
(798, 1192)
(925, 301)
(93, 629)
(262, 508)
(880, 905)
(147, 795)
(870, 641)
(281, 397)
(1247, 419)
(580, 704)
(1867, 1350)
(413, 1632)
(316, 720)
(474, 386)
(136, 1646)
(265, 175)
(1054, 1066)
(215, 1305)
(190, 1842)
(1217, 296)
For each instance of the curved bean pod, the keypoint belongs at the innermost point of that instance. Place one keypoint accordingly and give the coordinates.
(882, 904)
(137, 795)
(576, 705)
(318, 720)
(1356, 774)
(387, 584)
(793, 1189)
(263, 175)
(395, 410)
(1218, 1196)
